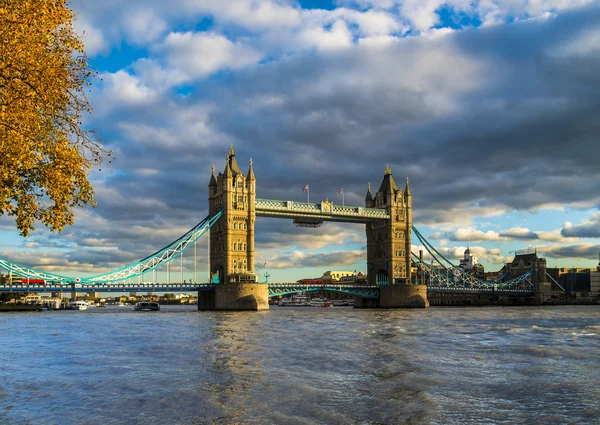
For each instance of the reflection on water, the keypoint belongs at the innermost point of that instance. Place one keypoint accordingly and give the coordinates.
(302, 366)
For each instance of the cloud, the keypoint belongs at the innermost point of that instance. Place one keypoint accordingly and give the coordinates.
(485, 121)
(587, 229)
(586, 250)
(201, 53)
(333, 260)
(519, 233)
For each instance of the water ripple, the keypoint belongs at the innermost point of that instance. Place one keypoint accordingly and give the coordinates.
(302, 366)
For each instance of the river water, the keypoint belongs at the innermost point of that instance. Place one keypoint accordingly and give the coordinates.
(497, 365)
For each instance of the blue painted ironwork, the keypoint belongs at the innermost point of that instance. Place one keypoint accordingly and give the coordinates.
(136, 269)
(455, 276)
(279, 289)
(555, 282)
(109, 287)
(450, 280)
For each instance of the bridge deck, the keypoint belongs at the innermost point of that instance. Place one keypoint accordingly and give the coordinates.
(275, 289)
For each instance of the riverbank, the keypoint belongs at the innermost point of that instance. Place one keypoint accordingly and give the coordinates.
(19, 307)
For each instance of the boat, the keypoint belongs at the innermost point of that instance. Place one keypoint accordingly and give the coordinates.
(343, 302)
(320, 302)
(77, 305)
(296, 300)
(147, 306)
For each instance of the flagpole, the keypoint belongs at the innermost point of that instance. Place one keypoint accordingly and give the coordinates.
(342, 198)
(308, 194)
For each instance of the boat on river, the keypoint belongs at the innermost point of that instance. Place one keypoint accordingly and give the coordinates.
(296, 300)
(320, 302)
(77, 305)
(146, 306)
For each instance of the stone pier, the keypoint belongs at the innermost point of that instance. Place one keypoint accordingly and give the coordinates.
(235, 297)
(396, 296)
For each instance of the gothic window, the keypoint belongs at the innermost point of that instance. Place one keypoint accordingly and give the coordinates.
(244, 247)
(234, 226)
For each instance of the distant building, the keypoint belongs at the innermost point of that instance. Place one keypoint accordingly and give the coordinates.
(576, 282)
(468, 262)
(522, 263)
(334, 276)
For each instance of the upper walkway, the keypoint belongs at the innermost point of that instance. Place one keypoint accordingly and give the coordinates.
(324, 210)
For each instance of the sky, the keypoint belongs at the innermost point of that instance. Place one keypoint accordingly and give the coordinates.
(489, 107)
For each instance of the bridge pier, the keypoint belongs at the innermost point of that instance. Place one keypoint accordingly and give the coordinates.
(235, 297)
(396, 296)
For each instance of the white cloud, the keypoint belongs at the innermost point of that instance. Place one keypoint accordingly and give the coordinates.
(337, 37)
(143, 25)
(123, 87)
(471, 234)
(202, 53)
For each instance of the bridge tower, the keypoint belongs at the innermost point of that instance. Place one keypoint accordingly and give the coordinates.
(232, 241)
(388, 242)
(232, 236)
(389, 248)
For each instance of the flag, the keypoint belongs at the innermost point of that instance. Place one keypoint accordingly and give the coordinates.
(340, 191)
(305, 188)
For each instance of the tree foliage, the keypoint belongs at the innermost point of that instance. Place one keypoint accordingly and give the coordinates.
(45, 152)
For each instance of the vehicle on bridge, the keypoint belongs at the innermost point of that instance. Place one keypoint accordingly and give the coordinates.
(33, 281)
(310, 281)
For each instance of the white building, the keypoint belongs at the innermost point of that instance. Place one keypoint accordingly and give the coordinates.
(468, 262)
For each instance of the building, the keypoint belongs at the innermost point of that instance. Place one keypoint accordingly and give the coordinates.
(576, 282)
(334, 276)
(468, 262)
(522, 263)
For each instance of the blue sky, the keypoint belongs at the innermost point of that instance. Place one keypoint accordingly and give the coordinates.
(490, 107)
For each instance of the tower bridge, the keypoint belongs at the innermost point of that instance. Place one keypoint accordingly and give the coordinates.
(233, 208)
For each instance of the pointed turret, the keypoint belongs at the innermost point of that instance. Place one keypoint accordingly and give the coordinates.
(228, 174)
(369, 196)
(407, 189)
(388, 186)
(213, 179)
(232, 162)
(250, 176)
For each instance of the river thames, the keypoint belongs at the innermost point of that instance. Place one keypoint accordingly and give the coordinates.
(497, 365)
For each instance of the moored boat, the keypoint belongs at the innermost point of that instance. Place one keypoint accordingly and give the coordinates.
(147, 306)
(77, 305)
(320, 302)
(296, 300)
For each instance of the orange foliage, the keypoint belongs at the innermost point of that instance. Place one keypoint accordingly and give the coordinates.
(45, 153)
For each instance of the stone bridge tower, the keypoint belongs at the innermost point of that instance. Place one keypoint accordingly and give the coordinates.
(388, 242)
(232, 236)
